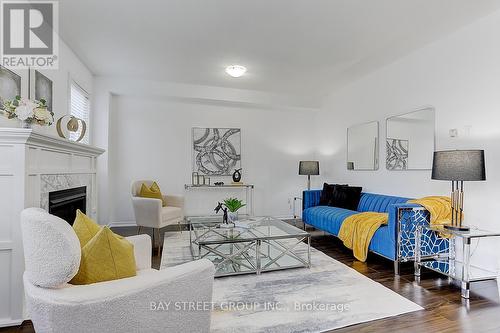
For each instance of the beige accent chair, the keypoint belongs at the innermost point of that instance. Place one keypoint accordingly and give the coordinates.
(149, 212)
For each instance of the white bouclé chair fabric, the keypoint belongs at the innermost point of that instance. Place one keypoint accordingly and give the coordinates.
(51, 250)
(124, 305)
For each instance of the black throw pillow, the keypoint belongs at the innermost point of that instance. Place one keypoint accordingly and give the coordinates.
(326, 194)
(346, 197)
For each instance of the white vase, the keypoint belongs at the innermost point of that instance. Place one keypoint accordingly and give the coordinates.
(25, 124)
(232, 216)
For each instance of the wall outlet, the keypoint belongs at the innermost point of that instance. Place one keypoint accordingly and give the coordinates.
(453, 133)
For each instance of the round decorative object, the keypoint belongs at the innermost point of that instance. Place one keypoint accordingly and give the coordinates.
(237, 175)
(72, 124)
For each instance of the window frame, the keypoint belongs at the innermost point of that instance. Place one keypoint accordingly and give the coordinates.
(73, 82)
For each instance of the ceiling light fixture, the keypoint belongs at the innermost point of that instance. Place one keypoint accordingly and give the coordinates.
(236, 70)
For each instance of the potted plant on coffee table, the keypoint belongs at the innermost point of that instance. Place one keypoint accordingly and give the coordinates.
(233, 205)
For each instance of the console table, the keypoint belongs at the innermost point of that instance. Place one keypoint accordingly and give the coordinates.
(248, 188)
(447, 264)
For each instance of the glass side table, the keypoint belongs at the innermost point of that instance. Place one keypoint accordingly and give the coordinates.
(447, 264)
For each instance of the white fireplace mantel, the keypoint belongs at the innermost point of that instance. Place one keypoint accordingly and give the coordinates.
(28, 136)
(32, 165)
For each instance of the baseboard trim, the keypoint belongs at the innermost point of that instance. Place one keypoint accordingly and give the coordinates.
(10, 322)
(122, 224)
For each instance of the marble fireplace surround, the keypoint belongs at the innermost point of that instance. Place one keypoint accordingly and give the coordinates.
(51, 183)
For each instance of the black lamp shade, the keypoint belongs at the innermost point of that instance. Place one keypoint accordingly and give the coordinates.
(459, 165)
(308, 168)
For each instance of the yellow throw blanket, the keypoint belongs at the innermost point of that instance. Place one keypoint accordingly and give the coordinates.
(438, 206)
(357, 231)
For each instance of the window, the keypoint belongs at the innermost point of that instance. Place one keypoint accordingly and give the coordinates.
(80, 108)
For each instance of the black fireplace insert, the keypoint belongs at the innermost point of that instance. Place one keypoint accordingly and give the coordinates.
(64, 203)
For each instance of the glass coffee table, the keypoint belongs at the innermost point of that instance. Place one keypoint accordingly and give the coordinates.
(261, 244)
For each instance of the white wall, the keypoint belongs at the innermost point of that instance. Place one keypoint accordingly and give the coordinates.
(458, 75)
(146, 128)
(70, 67)
(151, 139)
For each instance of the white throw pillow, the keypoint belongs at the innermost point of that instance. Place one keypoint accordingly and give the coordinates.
(51, 248)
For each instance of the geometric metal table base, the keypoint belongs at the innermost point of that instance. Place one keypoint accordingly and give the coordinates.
(268, 245)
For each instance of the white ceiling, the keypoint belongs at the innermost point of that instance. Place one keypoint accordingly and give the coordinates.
(305, 47)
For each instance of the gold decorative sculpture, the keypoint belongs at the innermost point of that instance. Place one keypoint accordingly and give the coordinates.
(72, 125)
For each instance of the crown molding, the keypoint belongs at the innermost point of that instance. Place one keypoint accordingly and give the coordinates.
(29, 137)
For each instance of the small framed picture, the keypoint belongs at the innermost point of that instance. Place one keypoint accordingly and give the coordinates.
(42, 87)
(13, 83)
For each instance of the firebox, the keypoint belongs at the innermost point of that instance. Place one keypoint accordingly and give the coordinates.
(64, 203)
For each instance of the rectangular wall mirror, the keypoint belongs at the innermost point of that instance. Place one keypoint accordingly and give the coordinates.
(410, 140)
(362, 146)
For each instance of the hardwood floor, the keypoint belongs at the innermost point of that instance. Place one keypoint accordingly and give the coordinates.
(444, 309)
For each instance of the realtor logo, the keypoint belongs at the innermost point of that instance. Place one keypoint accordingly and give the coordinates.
(29, 34)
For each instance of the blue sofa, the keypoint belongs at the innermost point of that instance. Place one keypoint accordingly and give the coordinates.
(394, 241)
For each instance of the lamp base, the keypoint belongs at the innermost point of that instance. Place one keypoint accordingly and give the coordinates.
(457, 227)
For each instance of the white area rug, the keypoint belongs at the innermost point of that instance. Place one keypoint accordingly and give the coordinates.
(327, 296)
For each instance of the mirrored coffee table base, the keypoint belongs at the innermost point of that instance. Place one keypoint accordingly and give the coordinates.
(266, 244)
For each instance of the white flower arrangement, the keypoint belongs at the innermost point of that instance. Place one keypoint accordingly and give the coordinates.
(29, 111)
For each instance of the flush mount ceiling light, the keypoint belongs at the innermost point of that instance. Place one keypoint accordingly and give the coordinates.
(235, 70)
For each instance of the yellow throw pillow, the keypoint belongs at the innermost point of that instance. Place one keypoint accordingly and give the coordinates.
(85, 228)
(153, 192)
(105, 257)
(155, 187)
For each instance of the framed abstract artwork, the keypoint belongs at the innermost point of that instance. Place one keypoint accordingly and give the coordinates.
(12, 83)
(216, 151)
(42, 87)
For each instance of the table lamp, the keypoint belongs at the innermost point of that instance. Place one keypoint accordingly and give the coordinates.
(309, 168)
(458, 166)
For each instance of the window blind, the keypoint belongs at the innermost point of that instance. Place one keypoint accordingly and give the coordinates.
(80, 108)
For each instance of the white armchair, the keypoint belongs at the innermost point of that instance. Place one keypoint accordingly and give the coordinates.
(149, 212)
(144, 303)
